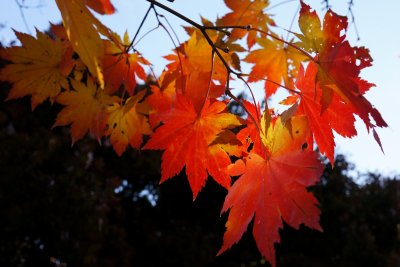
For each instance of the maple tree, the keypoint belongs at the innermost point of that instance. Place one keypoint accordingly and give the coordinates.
(93, 73)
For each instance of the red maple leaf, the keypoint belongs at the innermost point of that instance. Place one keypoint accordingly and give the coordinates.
(339, 65)
(338, 116)
(273, 186)
(186, 137)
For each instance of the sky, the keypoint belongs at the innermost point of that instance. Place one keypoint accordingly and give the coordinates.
(377, 23)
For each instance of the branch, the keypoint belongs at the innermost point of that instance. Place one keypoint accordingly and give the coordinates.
(198, 26)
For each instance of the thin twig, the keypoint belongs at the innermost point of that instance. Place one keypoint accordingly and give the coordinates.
(327, 5)
(144, 35)
(21, 11)
(249, 28)
(292, 23)
(271, 81)
(251, 92)
(353, 21)
(198, 26)
(285, 42)
(171, 28)
(140, 27)
(176, 49)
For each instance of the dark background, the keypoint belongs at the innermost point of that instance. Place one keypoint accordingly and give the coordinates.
(81, 205)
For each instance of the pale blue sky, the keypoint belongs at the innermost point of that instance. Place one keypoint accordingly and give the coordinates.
(377, 23)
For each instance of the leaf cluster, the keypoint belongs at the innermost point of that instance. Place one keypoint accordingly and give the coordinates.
(94, 74)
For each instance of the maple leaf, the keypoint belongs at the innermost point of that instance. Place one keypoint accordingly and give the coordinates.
(85, 110)
(339, 65)
(275, 61)
(249, 135)
(83, 30)
(196, 87)
(247, 13)
(272, 187)
(101, 6)
(339, 74)
(315, 38)
(121, 67)
(195, 55)
(227, 45)
(127, 124)
(310, 25)
(229, 143)
(200, 87)
(338, 116)
(37, 68)
(197, 74)
(186, 136)
(162, 97)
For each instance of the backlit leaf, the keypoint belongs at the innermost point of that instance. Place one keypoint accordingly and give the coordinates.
(37, 68)
(121, 67)
(80, 24)
(186, 137)
(339, 65)
(272, 188)
(85, 110)
(127, 124)
(274, 62)
(247, 13)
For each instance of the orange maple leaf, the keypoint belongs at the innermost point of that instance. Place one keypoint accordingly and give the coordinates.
(37, 68)
(228, 45)
(275, 62)
(162, 97)
(247, 13)
(195, 55)
(186, 137)
(85, 109)
(272, 187)
(127, 124)
(121, 67)
(197, 74)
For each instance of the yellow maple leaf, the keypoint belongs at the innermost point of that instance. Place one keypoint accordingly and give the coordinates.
(36, 68)
(83, 31)
(127, 123)
(85, 109)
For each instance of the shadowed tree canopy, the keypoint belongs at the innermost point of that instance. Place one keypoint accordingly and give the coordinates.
(82, 205)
